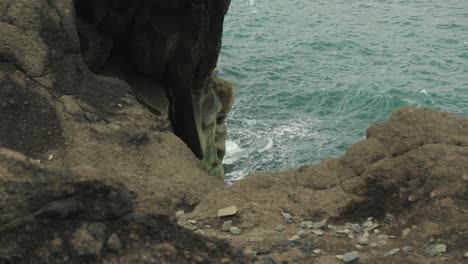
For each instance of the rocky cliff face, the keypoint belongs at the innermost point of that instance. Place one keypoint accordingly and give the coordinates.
(164, 52)
(69, 73)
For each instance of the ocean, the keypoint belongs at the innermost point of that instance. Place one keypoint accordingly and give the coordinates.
(311, 76)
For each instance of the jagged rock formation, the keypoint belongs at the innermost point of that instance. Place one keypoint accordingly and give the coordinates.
(54, 109)
(166, 51)
(163, 51)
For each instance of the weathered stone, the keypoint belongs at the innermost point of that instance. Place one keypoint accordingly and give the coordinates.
(114, 243)
(363, 241)
(319, 225)
(279, 228)
(306, 224)
(435, 249)
(350, 257)
(392, 252)
(293, 238)
(407, 249)
(226, 226)
(318, 232)
(235, 230)
(228, 211)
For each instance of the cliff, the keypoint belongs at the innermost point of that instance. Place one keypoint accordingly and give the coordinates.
(113, 120)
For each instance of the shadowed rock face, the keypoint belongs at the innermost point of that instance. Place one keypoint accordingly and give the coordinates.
(54, 217)
(166, 51)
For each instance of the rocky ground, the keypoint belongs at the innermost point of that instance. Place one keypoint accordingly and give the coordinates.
(400, 196)
(92, 171)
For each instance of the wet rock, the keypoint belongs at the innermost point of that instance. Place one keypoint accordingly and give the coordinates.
(228, 211)
(114, 243)
(227, 226)
(350, 257)
(235, 230)
(392, 252)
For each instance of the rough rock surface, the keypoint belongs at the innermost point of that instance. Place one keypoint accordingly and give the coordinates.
(161, 52)
(52, 104)
(411, 167)
(54, 217)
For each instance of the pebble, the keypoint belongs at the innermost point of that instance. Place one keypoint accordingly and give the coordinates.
(226, 226)
(235, 230)
(434, 250)
(286, 215)
(350, 256)
(465, 177)
(356, 228)
(306, 224)
(392, 252)
(228, 211)
(466, 254)
(407, 249)
(406, 232)
(294, 238)
(317, 251)
(191, 221)
(180, 213)
(363, 241)
(113, 243)
(318, 232)
(382, 237)
(200, 232)
(302, 233)
(320, 225)
(374, 245)
(51, 157)
(358, 247)
(280, 228)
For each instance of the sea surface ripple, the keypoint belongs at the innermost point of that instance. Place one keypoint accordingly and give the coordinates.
(311, 76)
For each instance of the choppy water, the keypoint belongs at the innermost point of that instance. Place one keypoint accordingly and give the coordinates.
(313, 75)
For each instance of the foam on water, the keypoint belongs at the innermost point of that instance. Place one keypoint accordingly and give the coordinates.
(313, 75)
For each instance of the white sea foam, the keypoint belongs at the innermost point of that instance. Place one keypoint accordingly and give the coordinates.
(423, 91)
(233, 151)
(268, 146)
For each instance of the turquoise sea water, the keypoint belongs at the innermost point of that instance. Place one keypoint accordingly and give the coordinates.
(313, 75)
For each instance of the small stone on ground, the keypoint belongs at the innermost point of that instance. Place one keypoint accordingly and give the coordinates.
(228, 211)
(350, 256)
(235, 230)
